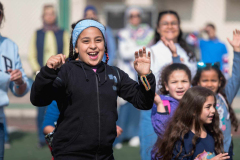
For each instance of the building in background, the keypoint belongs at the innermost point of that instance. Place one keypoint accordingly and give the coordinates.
(23, 16)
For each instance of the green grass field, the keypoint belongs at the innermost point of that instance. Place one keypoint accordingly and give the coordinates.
(24, 147)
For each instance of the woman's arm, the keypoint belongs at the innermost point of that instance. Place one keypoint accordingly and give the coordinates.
(19, 82)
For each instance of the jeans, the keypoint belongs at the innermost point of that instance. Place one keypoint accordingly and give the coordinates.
(147, 135)
(1, 141)
(40, 117)
(230, 151)
(128, 120)
(6, 137)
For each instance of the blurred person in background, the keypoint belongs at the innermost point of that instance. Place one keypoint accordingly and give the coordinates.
(11, 76)
(133, 36)
(46, 42)
(168, 31)
(91, 12)
(212, 49)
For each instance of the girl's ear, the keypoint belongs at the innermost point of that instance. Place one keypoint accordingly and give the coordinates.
(76, 50)
(166, 86)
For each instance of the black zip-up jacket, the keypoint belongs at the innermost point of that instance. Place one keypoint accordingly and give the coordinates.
(87, 101)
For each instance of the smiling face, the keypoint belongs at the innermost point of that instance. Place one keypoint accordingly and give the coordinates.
(90, 46)
(208, 110)
(168, 27)
(209, 79)
(178, 83)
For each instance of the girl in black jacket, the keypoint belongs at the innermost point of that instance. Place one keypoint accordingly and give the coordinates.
(86, 91)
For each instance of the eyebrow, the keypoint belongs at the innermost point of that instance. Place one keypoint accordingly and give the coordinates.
(94, 37)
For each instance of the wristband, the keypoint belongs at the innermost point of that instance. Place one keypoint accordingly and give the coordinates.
(145, 83)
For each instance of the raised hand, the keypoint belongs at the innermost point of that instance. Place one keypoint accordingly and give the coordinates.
(235, 43)
(56, 61)
(142, 62)
(159, 104)
(221, 156)
(170, 45)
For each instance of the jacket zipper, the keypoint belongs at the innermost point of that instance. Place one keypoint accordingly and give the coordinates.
(98, 115)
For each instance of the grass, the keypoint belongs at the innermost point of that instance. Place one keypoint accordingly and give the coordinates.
(24, 147)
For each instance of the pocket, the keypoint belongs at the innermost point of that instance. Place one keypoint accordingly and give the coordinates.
(78, 132)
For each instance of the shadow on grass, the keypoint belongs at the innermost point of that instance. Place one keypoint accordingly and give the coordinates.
(18, 135)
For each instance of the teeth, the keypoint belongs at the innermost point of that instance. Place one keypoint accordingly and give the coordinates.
(93, 53)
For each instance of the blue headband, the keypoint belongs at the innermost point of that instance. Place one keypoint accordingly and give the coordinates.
(83, 25)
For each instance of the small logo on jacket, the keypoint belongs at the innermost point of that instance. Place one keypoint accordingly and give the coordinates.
(115, 81)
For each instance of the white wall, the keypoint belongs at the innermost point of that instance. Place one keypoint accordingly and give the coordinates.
(23, 17)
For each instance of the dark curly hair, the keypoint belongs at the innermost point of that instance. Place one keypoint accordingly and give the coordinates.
(73, 54)
(187, 115)
(222, 79)
(180, 40)
(167, 71)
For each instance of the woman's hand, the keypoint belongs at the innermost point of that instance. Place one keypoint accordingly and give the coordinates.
(56, 61)
(119, 130)
(16, 76)
(159, 104)
(235, 43)
(170, 45)
(142, 62)
(221, 156)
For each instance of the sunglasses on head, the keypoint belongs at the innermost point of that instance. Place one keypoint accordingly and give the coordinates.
(134, 15)
(201, 65)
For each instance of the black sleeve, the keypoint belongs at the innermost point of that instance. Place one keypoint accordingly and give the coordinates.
(136, 93)
(47, 87)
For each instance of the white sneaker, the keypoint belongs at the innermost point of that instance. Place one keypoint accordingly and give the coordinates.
(134, 142)
(7, 145)
(118, 146)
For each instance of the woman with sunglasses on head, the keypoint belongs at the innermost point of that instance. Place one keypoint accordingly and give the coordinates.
(167, 33)
(131, 38)
(12, 76)
(211, 77)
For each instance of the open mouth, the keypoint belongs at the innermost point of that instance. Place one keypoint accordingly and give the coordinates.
(180, 92)
(93, 55)
(211, 117)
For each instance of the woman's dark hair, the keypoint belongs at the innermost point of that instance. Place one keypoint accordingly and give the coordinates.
(2, 13)
(222, 79)
(167, 71)
(180, 40)
(73, 54)
(185, 117)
